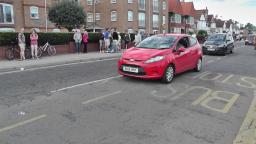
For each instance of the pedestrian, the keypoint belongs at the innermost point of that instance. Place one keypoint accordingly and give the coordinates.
(85, 40)
(34, 44)
(101, 41)
(115, 42)
(78, 39)
(119, 42)
(106, 39)
(137, 38)
(127, 39)
(22, 44)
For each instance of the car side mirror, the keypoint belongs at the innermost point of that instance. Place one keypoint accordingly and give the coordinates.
(182, 49)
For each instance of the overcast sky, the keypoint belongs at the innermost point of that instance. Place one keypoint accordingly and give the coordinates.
(243, 11)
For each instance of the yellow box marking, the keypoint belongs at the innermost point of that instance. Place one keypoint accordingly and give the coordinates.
(21, 123)
(247, 132)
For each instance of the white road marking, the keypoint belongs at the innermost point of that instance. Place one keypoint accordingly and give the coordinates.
(54, 66)
(82, 84)
(210, 61)
(21, 123)
(101, 97)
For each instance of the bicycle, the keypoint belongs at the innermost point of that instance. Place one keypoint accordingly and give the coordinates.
(14, 51)
(47, 48)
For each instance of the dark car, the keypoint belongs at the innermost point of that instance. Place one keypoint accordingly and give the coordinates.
(221, 44)
(250, 39)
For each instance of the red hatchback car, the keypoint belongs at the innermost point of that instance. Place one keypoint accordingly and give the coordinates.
(161, 57)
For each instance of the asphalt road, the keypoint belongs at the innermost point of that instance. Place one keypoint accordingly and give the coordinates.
(90, 104)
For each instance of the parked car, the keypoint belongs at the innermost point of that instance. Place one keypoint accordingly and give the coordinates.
(219, 44)
(250, 39)
(161, 57)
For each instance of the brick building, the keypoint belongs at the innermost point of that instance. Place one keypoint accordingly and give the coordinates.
(15, 14)
(132, 15)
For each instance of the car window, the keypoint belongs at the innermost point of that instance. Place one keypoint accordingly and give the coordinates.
(157, 42)
(217, 37)
(183, 42)
(193, 41)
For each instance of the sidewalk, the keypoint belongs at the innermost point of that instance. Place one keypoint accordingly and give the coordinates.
(6, 65)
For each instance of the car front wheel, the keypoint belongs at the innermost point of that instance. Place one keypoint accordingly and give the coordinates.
(169, 74)
(199, 64)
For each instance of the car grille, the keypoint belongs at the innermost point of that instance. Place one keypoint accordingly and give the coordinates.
(140, 73)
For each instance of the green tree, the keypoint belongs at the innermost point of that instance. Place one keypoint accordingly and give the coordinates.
(67, 14)
(250, 26)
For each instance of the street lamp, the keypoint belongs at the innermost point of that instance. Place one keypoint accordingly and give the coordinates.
(94, 17)
(46, 17)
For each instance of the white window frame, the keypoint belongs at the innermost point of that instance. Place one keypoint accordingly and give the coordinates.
(4, 13)
(142, 4)
(130, 30)
(36, 12)
(89, 17)
(177, 18)
(89, 2)
(113, 1)
(164, 5)
(141, 19)
(97, 16)
(155, 20)
(155, 6)
(130, 1)
(164, 20)
(113, 15)
(130, 15)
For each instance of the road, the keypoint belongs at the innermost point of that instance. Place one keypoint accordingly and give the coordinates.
(90, 103)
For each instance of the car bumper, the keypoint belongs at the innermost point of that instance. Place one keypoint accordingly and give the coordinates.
(146, 71)
(214, 51)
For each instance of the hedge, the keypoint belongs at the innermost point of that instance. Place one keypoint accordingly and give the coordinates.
(6, 38)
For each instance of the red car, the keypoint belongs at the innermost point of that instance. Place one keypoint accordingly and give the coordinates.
(161, 57)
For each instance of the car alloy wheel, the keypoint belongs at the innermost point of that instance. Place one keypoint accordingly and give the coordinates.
(198, 65)
(169, 74)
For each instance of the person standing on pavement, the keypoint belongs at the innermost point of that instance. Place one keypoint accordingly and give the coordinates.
(85, 41)
(78, 39)
(119, 41)
(115, 42)
(34, 44)
(101, 41)
(137, 38)
(22, 44)
(127, 39)
(106, 39)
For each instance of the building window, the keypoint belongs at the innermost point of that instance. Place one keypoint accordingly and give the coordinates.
(89, 17)
(97, 16)
(164, 5)
(89, 2)
(130, 16)
(142, 22)
(113, 1)
(6, 13)
(155, 5)
(155, 21)
(113, 16)
(176, 18)
(164, 20)
(130, 1)
(142, 4)
(34, 13)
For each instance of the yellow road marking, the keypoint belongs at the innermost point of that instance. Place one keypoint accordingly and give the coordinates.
(247, 132)
(21, 123)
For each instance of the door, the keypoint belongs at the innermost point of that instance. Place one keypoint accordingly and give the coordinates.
(182, 59)
(194, 48)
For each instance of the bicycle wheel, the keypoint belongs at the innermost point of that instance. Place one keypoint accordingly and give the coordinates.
(9, 54)
(39, 52)
(51, 51)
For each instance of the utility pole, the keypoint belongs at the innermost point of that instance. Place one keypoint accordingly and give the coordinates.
(94, 17)
(46, 15)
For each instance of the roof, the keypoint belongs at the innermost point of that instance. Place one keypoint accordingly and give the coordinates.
(228, 23)
(209, 18)
(219, 23)
(198, 14)
(188, 8)
(175, 6)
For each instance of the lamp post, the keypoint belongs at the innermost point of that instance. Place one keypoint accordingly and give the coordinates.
(46, 16)
(94, 17)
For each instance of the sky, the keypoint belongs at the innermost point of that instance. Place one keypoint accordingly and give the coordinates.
(243, 11)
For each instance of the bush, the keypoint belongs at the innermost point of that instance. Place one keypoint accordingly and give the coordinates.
(6, 38)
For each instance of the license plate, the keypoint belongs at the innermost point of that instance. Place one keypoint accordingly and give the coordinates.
(210, 49)
(130, 69)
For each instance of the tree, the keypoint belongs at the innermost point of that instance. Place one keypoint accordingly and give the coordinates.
(67, 14)
(250, 26)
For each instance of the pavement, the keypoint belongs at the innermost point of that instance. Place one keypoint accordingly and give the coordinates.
(89, 103)
(6, 65)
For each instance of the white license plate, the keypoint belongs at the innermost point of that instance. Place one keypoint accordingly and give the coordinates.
(130, 69)
(209, 49)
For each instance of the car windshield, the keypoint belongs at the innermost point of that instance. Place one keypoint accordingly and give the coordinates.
(218, 37)
(157, 42)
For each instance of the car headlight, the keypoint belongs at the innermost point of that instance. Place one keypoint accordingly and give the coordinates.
(155, 59)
